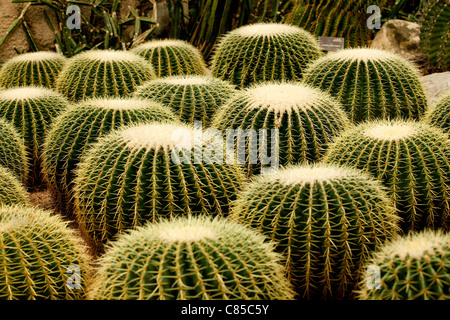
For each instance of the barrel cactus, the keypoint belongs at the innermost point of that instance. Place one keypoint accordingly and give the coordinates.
(411, 158)
(439, 114)
(32, 110)
(82, 124)
(13, 155)
(370, 83)
(192, 98)
(32, 69)
(11, 189)
(325, 220)
(294, 123)
(142, 172)
(102, 73)
(193, 258)
(171, 57)
(264, 52)
(412, 267)
(435, 33)
(38, 255)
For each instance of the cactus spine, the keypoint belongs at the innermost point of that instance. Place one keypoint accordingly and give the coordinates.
(13, 155)
(82, 124)
(264, 52)
(439, 114)
(370, 83)
(102, 73)
(411, 158)
(37, 251)
(32, 110)
(32, 69)
(191, 258)
(192, 98)
(170, 57)
(11, 190)
(144, 172)
(306, 119)
(412, 267)
(325, 219)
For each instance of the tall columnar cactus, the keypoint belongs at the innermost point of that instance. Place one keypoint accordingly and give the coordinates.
(280, 123)
(171, 57)
(370, 83)
(101, 73)
(411, 158)
(439, 114)
(144, 172)
(264, 52)
(191, 258)
(435, 33)
(31, 110)
(343, 18)
(13, 153)
(81, 125)
(11, 189)
(40, 256)
(325, 220)
(32, 69)
(192, 98)
(413, 267)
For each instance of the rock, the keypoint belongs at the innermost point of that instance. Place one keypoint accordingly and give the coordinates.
(401, 37)
(436, 84)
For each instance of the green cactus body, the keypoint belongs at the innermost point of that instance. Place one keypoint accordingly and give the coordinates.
(439, 114)
(13, 155)
(102, 73)
(193, 98)
(11, 189)
(170, 57)
(370, 84)
(264, 52)
(413, 267)
(435, 33)
(325, 220)
(144, 172)
(345, 18)
(38, 253)
(32, 69)
(306, 119)
(31, 110)
(411, 158)
(81, 125)
(191, 259)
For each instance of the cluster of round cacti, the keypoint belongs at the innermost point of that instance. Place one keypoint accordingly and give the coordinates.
(370, 83)
(306, 171)
(170, 57)
(192, 98)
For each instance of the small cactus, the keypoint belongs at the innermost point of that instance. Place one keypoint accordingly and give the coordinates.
(31, 110)
(13, 155)
(306, 119)
(142, 172)
(38, 253)
(191, 258)
(32, 69)
(102, 73)
(170, 57)
(193, 98)
(82, 124)
(11, 189)
(411, 158)
(439, 114)
(412, 267)
(370, 83)
(264, 52)
(325, 220)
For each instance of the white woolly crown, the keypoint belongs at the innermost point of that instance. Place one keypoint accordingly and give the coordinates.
(25, 93)
(390, 131)
(109, 55)
(37, 56)
(162, 43)
(266, 30)
(119, 103)
(185, 80)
